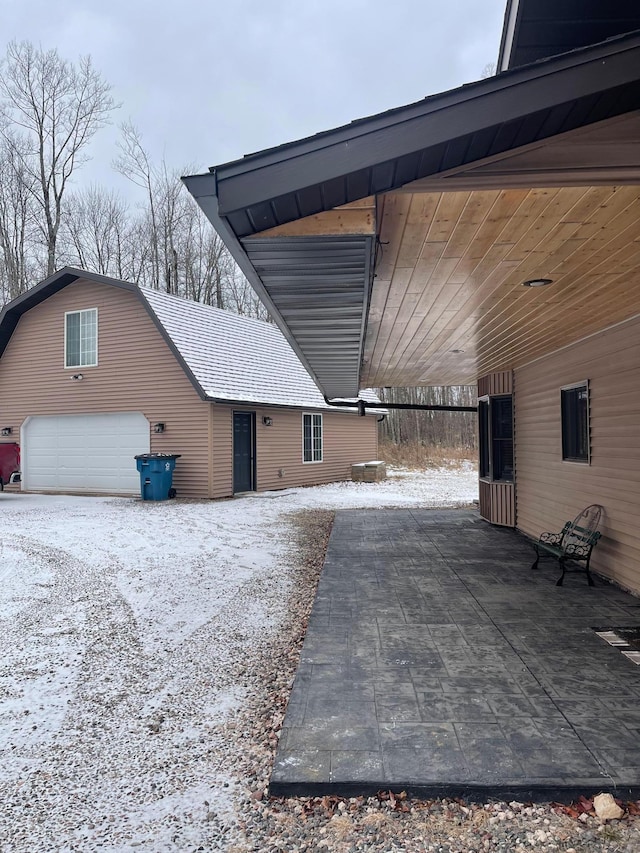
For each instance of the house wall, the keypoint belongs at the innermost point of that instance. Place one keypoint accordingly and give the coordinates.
(550, 491)
(496, 499)
(347, 439)
(136, 372)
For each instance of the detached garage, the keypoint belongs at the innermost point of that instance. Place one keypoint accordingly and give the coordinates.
(84, 453)
(94, 371)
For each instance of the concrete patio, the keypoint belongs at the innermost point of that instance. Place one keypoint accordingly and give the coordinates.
(437, 662)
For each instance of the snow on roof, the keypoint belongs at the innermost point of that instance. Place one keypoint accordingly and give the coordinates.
(236, 358)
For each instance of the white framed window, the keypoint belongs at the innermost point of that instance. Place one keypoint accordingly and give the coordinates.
(311, 438)
(81, 338)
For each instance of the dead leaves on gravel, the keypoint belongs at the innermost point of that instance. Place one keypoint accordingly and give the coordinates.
(585, 806)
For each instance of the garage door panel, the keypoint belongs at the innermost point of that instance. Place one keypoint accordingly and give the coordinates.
(91, 453)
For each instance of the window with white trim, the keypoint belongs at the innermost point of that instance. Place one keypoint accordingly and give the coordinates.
(81, 338)
(311, 438)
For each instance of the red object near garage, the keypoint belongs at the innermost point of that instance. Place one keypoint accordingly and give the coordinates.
(9, 462)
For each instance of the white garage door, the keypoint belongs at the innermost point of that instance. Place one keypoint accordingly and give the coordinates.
(84, 453)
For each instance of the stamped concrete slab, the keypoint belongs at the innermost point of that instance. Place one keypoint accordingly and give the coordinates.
(437, 662)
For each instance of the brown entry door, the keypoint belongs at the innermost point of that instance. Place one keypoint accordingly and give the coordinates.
(244, 430)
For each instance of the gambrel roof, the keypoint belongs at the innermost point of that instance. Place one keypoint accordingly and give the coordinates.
(228, 358)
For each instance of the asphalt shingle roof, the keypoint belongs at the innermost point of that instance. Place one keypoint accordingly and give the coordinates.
(236, 358)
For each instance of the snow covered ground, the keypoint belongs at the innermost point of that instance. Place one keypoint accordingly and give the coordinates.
(125, 632)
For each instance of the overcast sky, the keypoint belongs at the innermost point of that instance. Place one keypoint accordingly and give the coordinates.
(208, 81)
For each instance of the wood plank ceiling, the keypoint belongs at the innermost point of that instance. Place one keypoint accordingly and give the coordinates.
(447, 303)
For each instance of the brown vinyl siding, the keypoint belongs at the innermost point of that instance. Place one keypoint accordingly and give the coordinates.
(497, 502)
(136, 372)
(550, 490)
(497, 498)
(347, 439)
(495, 383)
(222, 451)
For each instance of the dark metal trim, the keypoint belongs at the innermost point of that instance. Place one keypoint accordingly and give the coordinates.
(253, 404)
(275, 173)
(506, 47)
(363, 405)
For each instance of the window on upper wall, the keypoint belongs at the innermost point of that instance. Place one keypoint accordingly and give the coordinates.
(495, 426)
(574, 406)
(311, 438)
(81, 338)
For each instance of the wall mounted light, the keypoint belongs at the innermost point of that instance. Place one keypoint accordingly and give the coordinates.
(159, 427)
(267, 421)
(6, 430)
(76, 377)
(537, 282)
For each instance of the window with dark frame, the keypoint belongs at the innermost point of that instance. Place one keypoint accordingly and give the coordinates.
(483, 437)
(311, 438)
(574, 405)
(495, 427)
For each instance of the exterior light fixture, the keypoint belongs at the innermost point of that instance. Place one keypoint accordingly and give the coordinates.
(267, 421)
(537, 282)
(6, 430)
(159, 427)
(76, 377)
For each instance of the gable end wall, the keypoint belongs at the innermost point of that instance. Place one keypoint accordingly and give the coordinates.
(136, 372)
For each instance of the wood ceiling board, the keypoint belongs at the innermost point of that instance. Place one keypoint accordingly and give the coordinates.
(528, 342)
(420, 215)
(354, 218)
(426, 317)
(489, 314)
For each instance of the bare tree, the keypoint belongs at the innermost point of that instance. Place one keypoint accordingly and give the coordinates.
(50, 109)
(96, 233)
(16, 223)
(134, 163)
(446, 429)
(186, 257)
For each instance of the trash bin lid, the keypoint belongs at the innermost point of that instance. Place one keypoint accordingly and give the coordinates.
(158, 456)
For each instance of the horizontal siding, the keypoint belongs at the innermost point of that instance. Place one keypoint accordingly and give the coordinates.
(347, 439)
(136, 372)
(550, 491)
(222, 451)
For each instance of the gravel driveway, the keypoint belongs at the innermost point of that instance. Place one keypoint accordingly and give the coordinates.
(146, 654)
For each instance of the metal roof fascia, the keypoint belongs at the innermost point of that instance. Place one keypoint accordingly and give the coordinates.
(203, 188)
(265, 176)
(512, 17)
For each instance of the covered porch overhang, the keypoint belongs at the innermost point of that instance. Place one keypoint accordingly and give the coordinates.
(393, 251)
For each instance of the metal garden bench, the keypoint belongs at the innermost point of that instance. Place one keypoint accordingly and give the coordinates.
(574, 543)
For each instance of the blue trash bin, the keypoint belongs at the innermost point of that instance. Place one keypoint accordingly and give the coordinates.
(156, 475)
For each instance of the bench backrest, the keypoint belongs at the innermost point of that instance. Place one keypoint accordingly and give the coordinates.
(583, 530)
